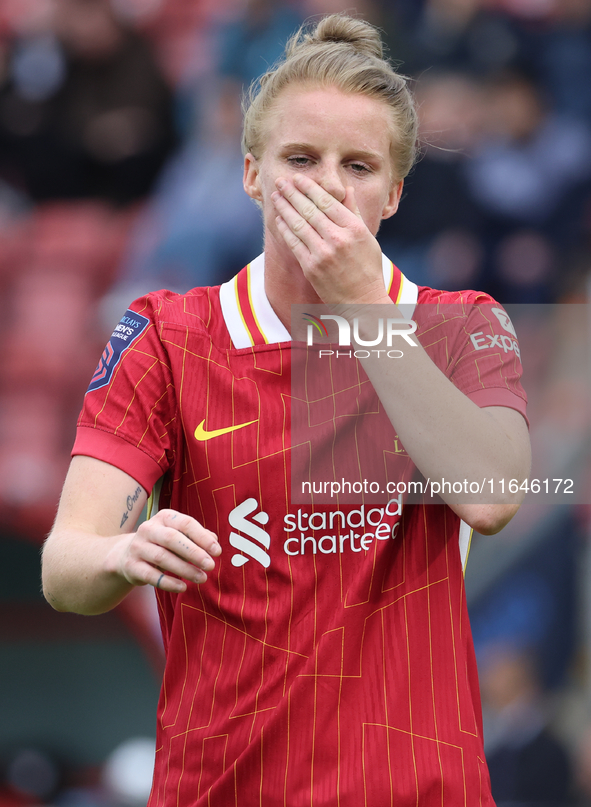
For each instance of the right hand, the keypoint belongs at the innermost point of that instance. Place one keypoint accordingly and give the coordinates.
(168, 546)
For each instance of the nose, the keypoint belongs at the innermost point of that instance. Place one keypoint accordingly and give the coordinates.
(330, 176)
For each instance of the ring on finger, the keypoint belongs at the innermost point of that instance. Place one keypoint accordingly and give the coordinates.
(158, 581)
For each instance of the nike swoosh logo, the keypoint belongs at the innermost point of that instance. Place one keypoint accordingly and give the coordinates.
(202, 434)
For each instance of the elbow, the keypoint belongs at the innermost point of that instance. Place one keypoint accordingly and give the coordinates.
(48, 589)
(48, 584)
(74, 608)
(53, 601)
(489, 519)
(53, 590)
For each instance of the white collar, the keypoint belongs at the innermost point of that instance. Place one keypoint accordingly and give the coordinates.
(250, 319)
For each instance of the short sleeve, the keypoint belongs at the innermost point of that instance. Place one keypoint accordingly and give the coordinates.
(474, 342)
(129, 414)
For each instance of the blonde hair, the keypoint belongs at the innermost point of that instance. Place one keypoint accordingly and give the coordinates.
(343, 52)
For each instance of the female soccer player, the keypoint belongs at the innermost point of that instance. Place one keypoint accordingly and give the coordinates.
(316, 654)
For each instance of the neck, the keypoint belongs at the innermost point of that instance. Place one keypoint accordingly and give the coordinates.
(285, 283)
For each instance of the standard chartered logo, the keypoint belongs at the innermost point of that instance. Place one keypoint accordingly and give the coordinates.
(325, 533)
(335, 532)
(238, 520)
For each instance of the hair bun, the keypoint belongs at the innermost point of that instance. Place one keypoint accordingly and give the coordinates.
(346, 53)
(362, 36)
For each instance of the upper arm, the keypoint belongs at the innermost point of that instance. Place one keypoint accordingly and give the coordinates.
(514, 426)
(99, 498)
(489, 518)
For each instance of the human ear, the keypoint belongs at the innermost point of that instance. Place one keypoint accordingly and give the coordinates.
(251, 179)
(393, 200)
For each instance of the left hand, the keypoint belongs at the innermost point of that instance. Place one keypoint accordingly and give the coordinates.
(338, 254)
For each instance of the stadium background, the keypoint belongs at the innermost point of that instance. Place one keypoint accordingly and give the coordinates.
(120, 172)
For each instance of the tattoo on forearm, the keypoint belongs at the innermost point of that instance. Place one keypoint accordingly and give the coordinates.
(131, 500)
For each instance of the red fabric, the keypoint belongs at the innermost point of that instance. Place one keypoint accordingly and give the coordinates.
(328, 659)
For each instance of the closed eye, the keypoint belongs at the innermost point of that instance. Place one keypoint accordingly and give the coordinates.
(299, 161)
(360, 168)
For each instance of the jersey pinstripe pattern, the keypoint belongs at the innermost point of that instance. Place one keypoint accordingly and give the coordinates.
(336, 674)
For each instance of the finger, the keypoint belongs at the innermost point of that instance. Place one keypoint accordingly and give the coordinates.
(164, 557)
(170, 551)
(172, 584)
(297, 246)
(142, 573)
(154, 577)
(148, 561)
(296, 223)
(191, 533)
(299, 210)
(324, 201)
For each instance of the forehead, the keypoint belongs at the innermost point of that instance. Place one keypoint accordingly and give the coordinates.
(328, 116)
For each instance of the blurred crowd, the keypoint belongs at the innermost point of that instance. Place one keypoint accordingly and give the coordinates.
(121, 172)
(34, 776)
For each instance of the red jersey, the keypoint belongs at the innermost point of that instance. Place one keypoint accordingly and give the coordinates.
(328, 658)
